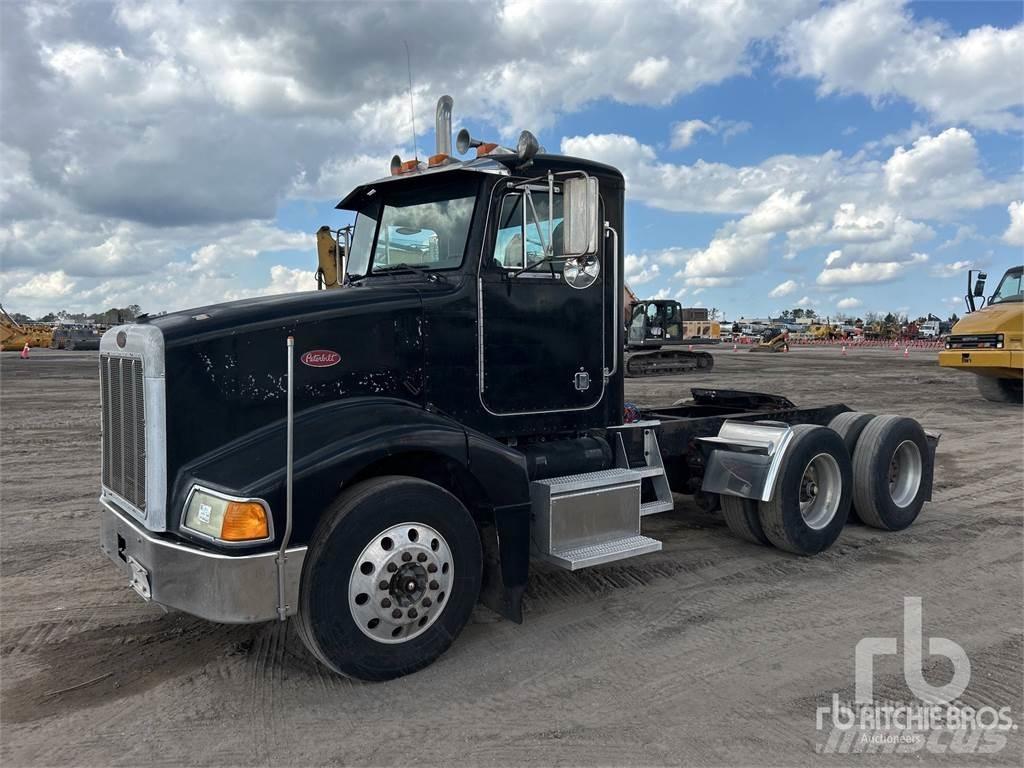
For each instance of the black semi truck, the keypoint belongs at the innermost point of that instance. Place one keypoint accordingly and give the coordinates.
(456, 410)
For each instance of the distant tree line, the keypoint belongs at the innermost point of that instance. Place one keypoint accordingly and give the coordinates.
(112, 316)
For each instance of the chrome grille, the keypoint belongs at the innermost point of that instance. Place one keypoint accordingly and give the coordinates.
(124, 428)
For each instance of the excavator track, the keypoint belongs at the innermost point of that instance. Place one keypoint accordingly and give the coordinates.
(667, 362)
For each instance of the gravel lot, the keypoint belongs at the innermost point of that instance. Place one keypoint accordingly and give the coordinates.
(711, 652)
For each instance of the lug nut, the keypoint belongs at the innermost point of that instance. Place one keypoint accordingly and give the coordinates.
(412, 613)
(392, 567)
(427, 602)
(406, 557)
(434, 585)
(432, 568)
(421, 557)
(396, 614)
(383, 585)
(385, 603)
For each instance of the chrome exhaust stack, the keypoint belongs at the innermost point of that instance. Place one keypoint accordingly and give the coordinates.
(443, 126)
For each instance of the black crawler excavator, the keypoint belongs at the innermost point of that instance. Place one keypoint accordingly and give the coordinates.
(657, 343)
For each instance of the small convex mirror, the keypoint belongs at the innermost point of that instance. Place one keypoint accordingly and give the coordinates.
(582, 271)
(582, 226)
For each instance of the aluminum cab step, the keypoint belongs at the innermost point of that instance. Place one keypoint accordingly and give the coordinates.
(590, 518)
(607, 552)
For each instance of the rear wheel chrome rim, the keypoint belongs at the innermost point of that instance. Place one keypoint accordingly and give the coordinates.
(905, 473)
(400, 583)
(821, 487)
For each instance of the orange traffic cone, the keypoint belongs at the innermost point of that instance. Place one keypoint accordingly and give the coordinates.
(734, 346)
(906, 351)
(24, 352)
(844, 350)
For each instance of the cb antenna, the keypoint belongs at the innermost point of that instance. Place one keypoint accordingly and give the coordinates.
(412, 109)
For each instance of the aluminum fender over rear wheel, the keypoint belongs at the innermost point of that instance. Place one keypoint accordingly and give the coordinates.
(390, 579)
(849, 425)
(1001, 390)
(812, 494)
(888, 472)
(743, 518)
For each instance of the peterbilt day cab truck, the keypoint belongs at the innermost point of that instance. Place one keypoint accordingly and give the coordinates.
(989, 340)
(456, 411)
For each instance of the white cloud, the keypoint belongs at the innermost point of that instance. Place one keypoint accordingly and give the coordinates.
(804, 301)
(45, 285)
(684, 133)
(1014, 234)
(649, 72)
(639, 269)
(783, 289)
(956, 269)
(859, 273)
(849, 302)
(877, 48)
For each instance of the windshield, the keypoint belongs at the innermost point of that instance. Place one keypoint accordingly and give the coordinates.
(425, 228)
(1009, 287)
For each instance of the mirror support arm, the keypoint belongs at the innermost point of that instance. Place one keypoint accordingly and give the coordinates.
(616, 298)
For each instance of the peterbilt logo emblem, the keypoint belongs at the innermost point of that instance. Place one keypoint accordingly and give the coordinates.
(320, 358)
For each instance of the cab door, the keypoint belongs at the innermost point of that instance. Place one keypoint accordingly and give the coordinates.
(541, 341)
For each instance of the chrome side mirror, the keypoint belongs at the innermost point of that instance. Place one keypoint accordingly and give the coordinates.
(581, 211)
(581, 272)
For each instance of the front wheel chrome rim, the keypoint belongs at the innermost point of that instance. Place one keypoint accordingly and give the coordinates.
(821, 487)
(400, 582)
(905, 473)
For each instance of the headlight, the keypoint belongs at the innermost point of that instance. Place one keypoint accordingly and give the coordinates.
(999, 341)
(227, 518)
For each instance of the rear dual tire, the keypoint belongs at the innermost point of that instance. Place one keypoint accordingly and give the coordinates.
(890, 465)
(810, 500)
(812, 494)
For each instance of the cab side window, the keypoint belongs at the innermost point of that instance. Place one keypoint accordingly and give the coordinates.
(513, 238)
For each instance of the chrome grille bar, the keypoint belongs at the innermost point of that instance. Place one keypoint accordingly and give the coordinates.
(124, 427)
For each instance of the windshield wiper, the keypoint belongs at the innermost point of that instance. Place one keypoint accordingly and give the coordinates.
(403, 267)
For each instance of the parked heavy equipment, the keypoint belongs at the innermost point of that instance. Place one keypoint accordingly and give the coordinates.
(14, 335)
(656, 324)
(77, 337)
(774, 339)
(989, 340)
(375, 460)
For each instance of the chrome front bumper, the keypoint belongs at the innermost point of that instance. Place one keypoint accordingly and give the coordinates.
(239, 589)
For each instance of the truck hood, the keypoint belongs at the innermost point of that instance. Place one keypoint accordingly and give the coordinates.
(1005, 318)
(290, 309)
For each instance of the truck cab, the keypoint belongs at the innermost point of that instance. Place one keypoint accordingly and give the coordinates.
(375, 458)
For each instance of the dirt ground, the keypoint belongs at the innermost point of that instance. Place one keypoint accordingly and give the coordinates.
(711, 652)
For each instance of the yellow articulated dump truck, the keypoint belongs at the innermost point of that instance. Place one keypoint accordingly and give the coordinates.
(989, 341)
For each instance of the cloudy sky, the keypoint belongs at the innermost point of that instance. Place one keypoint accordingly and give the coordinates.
(857, 155)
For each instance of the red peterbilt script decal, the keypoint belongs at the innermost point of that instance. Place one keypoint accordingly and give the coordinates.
(320, 358)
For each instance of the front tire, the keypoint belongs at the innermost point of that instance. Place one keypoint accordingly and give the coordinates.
(811, 499)
(1001, 390)
(390, 579)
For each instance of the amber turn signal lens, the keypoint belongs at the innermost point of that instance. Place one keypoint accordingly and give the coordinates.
(244, 521)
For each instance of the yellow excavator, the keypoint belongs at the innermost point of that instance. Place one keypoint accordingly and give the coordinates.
(332, 247)
(989, 340)
(14, 335)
